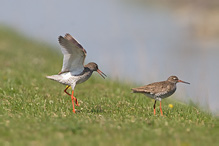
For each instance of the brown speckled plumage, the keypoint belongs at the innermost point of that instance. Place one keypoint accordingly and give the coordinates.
(159, 90)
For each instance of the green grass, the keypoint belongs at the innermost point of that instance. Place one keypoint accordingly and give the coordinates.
(35, 110)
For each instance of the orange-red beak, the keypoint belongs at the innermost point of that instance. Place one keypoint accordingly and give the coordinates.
(101, 73)
(183, 82)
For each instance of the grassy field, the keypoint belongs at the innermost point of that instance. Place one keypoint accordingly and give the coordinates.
(35, 110)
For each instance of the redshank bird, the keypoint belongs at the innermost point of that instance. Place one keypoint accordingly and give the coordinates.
(159, 90)
(73, 69)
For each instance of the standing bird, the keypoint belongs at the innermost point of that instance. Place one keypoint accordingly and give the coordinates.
(73, 70)
(159, 90)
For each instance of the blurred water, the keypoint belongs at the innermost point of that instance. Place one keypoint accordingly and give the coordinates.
(138, 44)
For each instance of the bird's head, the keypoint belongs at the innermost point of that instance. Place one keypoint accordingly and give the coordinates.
(175, 79)
(94, 67)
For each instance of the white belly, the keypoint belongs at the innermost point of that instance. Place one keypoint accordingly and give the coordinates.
(68, 79)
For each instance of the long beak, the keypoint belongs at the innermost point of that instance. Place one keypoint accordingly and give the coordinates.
(101, 73)
(183, 81)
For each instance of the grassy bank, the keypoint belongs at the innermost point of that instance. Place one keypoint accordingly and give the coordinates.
(35, 110)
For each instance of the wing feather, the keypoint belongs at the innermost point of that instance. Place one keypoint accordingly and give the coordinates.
(74, 55)
(153, 88)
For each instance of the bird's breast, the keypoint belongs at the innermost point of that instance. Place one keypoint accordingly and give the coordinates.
(165, 94)
(84, 77)
(161, 94)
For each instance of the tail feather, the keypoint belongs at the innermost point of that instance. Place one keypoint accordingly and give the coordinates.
(133, 90)
(137, 90)
(54, 77)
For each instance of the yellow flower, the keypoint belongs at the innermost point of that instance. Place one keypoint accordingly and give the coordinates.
(170, 106)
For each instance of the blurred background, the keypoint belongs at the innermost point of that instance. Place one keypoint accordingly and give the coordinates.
(140, 41)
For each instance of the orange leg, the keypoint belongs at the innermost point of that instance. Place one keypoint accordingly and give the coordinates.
(76, 101)
(161, 109)
(154, 108)
(72, 98)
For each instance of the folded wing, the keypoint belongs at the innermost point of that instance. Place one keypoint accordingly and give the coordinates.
(154, 88)
(74, 55)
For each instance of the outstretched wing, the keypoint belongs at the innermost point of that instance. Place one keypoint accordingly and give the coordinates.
(74, 55)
